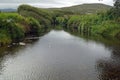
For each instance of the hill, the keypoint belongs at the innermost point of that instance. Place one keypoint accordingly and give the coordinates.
(42, 15)
(47, 16)
(86, 8)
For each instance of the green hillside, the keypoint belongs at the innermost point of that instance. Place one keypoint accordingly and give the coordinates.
(42, 15)
(86, 8)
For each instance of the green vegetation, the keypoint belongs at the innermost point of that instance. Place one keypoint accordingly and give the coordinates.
(105, 24)
(86, 19)
(85, 8)
(92, 24)
(43, 16)
(14, 28)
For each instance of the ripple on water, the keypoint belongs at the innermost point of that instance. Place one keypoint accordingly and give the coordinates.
(61, 56)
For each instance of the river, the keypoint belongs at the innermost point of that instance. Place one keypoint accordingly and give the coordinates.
(59, 55)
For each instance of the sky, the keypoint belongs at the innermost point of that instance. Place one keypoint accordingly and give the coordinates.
(49, 3)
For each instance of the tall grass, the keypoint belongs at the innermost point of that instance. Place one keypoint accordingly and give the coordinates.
(92, 24)
(14, 27)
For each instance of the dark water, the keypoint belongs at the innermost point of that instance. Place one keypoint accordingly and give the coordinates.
(60, 56)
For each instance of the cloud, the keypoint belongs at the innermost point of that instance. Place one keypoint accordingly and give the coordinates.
(49, 3)
(28, 1)
(109, 2)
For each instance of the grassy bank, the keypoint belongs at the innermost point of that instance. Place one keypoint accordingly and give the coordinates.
(14, 27)
(91, 24)
(104, 23)
(32, 21)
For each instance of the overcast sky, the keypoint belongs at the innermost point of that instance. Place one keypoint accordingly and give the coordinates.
(49, 3)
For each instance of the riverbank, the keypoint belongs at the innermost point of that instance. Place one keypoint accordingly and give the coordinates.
(32, 21)
(14, 28)
(104, 23)
(91, 25)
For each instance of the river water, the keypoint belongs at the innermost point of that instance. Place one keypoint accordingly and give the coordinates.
(59, 55)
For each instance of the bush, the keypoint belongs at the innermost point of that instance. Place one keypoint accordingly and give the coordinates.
(15, 27)
(43, 16)
(35, 27)
(4, 38)
(107, 28)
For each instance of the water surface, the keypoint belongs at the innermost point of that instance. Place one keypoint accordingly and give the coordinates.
(59, 55)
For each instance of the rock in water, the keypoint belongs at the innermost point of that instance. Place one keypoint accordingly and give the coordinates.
(22, 44)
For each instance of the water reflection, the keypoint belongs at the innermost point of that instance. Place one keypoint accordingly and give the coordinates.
(110, 68)
(6, 52)
(60, 56)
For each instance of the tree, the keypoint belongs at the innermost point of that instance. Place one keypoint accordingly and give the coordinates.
(117, 8)
(117, 4)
